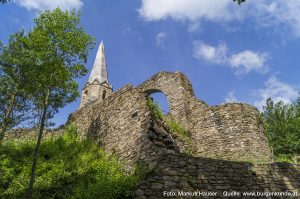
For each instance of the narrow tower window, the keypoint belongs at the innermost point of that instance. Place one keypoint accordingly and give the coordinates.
(104, 94)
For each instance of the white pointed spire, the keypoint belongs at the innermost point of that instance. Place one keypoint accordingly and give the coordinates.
(99, 71)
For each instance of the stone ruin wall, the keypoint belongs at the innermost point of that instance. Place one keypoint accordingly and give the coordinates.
(123, 124)
(229, 131)
(179, 172)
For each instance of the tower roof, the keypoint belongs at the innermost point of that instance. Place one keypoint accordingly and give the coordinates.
(99, 71)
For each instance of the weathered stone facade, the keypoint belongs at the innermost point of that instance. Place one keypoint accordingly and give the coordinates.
(178, 175)
(224, 139)
(229, 131)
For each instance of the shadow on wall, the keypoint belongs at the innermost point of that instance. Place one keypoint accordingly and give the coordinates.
(179, 174)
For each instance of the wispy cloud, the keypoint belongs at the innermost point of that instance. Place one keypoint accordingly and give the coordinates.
(275, 89)
(50, 4)
(230, 98)
(242, 62)
(160, 38)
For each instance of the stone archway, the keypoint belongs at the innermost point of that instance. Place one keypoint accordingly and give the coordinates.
(160, 99)
(177, 89)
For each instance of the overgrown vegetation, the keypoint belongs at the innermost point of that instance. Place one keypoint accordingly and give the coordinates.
(282, 124)
(68, 168)
(155, 109)
(174, 126)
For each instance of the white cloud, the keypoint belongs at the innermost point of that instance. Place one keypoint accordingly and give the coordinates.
(210, 53)
(185, 10)
(277, 90)
(160, 38)
(242, 62)
(230, 98)
(262, 12)
(247, 61)
(50, 4)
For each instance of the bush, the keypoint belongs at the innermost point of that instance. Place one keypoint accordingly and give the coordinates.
(67, 168)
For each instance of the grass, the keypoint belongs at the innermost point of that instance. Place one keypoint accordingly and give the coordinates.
(287, 158)
(67, 168)
(177, 128)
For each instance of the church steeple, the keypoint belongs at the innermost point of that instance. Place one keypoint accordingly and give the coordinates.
(97, 86)
(99, 71)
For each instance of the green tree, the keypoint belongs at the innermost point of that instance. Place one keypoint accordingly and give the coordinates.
(14, 65)
(4, 1)
(298, 107)
(59, 48)
(2, 80)
(282, 123)
(239, 1)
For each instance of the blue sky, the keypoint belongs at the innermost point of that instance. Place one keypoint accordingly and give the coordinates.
(230, 53)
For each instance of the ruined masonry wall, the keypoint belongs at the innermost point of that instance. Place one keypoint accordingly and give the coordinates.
(122, 124)
(179, 172)
(229, 131)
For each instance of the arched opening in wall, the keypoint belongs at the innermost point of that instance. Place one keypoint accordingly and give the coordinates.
(161, 100)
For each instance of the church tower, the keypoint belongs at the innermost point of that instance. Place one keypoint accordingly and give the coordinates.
(97, 87)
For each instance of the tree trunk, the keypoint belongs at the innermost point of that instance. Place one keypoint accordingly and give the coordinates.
(36, 150)
(6, 116)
